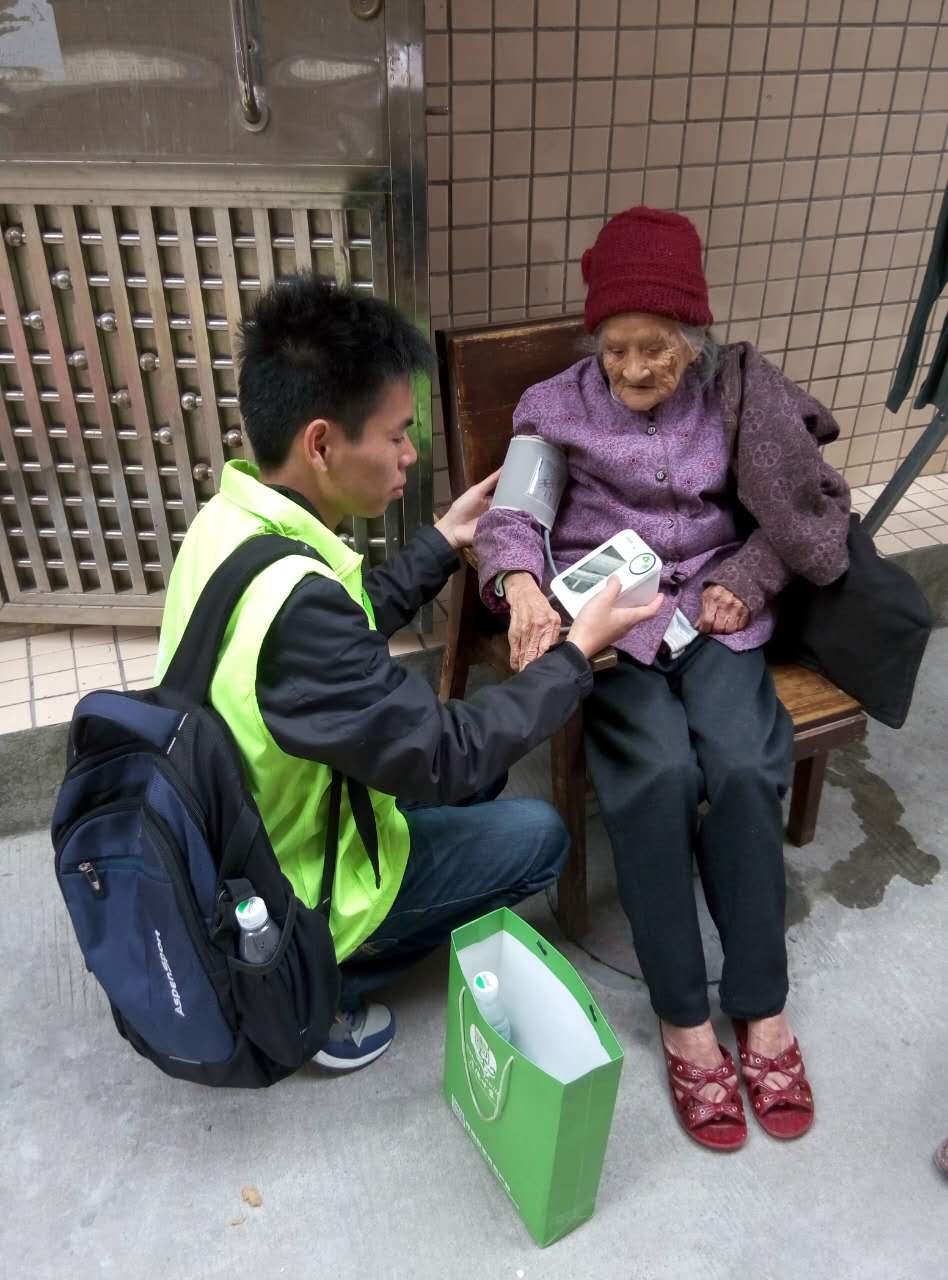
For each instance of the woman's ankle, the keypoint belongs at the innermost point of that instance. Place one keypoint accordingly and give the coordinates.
(695, 1044)
(770, 1036)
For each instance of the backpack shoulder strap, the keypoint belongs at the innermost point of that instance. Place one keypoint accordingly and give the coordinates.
(192, 668)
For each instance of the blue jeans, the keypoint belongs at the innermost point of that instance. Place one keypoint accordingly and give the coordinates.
(465, 860)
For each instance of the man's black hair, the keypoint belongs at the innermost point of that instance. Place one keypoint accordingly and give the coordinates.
(309, 350)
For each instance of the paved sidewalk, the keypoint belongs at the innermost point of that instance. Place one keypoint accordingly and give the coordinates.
(108, 1169)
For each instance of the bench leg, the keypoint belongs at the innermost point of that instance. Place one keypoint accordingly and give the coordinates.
(805, 798)
(462, 614)
(568, 765)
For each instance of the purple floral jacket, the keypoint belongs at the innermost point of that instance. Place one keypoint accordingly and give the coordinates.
(726, 482)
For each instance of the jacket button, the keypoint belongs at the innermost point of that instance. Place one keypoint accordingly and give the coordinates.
(650, 431)
(661, 475)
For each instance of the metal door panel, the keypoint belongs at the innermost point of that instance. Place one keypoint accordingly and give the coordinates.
(120, 79)
(119, 430)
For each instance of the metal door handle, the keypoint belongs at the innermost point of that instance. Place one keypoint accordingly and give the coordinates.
(254, 112)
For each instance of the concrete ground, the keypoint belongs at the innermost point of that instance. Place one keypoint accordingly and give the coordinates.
(110, 1169)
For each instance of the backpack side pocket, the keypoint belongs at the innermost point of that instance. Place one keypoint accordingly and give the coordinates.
(287, 1005)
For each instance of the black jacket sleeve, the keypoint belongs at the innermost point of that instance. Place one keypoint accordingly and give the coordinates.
(328, 690)
(399, 587)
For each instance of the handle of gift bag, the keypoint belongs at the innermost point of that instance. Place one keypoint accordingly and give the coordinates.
(504, 1084)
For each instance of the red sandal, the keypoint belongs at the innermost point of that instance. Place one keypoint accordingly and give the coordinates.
(783, 1113)
(718, 1125)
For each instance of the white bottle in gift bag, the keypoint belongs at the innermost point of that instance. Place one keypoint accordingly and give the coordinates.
(486, 991)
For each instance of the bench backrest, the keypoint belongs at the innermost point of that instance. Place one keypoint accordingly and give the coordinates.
(484, 371)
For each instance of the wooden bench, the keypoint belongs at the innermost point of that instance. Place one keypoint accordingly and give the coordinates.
(483, 373)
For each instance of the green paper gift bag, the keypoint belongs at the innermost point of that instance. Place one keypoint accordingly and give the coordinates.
(537, 1107)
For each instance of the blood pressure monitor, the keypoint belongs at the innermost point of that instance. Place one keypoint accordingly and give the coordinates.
(635, 564)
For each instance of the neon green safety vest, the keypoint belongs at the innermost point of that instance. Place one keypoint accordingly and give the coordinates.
(292, 794)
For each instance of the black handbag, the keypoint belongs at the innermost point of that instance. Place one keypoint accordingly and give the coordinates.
(867, 631)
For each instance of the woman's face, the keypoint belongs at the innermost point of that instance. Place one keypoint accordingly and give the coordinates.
(644, 358)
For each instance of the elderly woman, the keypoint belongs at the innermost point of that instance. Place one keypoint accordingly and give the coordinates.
(711, 455)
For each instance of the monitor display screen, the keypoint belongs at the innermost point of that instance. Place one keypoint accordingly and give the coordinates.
(591, 572)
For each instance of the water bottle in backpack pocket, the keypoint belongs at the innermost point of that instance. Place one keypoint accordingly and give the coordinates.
(259, 936)
(281, 1002)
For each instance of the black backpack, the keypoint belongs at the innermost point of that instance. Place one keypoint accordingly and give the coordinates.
(157, 839)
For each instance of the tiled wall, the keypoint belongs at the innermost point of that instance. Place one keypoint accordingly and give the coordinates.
(805, 140)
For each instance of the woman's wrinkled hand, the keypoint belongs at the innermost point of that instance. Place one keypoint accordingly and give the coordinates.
(534, 623)
(721, 612)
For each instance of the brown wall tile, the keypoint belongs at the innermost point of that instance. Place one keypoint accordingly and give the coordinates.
(513, 55)
(515, 13)
(512, 150)
(472, 14)
(748, 49)
(632, 100)
(715, 11)
(469, 249)
(587, 194)
(513, 105)
(554, 104)
(470, 108)
(470, 203)
(594, 103)
(511, 199)
(550, 196)
(551, 150)
(471, 56)
(670, 98)
(598, 13)
(471, 156)
(597, 54)
(711, 51)
(624, 190)
(707, 97)
(556, 53)
(508, 244)
(508, 287)
(548, 241)
(636, 53)
(638, 13)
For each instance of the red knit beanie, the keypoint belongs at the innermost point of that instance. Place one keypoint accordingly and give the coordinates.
(646, 260)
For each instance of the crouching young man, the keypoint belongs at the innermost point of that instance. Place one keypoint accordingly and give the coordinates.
(305, 680)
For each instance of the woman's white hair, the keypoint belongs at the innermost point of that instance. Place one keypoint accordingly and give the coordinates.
(707, 350)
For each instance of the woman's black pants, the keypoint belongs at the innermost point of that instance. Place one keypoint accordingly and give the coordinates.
(706, 725)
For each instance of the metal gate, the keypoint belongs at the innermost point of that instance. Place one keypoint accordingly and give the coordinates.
(153, 183)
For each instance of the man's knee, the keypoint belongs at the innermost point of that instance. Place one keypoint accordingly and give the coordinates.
(539, 836)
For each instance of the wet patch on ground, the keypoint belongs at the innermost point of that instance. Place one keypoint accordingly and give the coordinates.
(888, 850)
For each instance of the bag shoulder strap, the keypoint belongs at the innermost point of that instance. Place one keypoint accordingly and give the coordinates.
(192, 668)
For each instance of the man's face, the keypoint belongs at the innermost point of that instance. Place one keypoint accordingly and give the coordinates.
(644, 358)
(369, 474)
